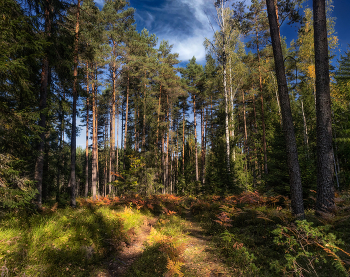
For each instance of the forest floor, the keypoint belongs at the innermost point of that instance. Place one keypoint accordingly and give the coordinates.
(166, 235)
(199, 257)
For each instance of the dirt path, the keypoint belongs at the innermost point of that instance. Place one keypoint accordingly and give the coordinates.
(119, 264)
(200, 255)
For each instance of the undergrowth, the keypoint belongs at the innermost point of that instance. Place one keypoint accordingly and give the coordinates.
(62, 242)
(255, 235)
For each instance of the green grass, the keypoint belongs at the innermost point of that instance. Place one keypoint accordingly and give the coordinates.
(66, 242)
(80, 242)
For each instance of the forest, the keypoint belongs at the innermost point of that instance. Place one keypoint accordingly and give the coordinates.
(236, 167)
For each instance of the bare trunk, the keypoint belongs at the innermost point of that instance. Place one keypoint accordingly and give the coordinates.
(112, 133)
(167, 149)
(228, 167)
(144, 119)
(288, 128)
(87, 134)
(325, 186)
(306, 139)
(39, 164)
(195, 137)
(126, 115)
(245, 126)
(232, 132)
(74, 115)
(183, 140)
(94, 142)
(158, 112)
(262, 106)
(202, 146)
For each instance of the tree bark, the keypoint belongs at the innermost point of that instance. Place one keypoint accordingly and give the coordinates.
(126, 115)
(262, 103)
(195, 136)
(183, 139)
(112, 133)
(325, 186)
(74, 115)
(39, 164)
(94, 142)
(287, 120)
(87, 134)
(228, 167)
(202, 146)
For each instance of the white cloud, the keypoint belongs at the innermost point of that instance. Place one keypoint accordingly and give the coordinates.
(188, 31)
(189, 47)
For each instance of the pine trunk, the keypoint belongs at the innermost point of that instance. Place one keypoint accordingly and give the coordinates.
(325, 186)
(87, 134)
(262, 107)
(74, 115)
(288, 128)
(94, 142)
(126, 115)
(195, 137)
(39, 164)
(112, 133)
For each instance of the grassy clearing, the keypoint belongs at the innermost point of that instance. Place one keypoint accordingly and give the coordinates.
(66, 242)
(242, 235)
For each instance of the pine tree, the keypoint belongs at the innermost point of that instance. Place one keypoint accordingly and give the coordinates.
(325, 186)
(288, 128)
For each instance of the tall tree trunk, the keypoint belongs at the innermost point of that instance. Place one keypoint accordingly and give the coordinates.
(228, 167)
(202, 146)
(232, 133)
(87, 134)
(245, 126)
(117, 139)
(112, 133)
(246, 164)
(195, 136)
(94, 142)
(74, 115)
(256, 163)
(306, 138)
(262, 106)
(126, 115)
(167, 148)
(105, 169)
(158, 113)
(144, 118)
(288, 128)
(60, 154)
(183, 139)
(39, 164)
(325, 186)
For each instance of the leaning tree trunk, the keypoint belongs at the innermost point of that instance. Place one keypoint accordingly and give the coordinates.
(287, 120)
(325, 188)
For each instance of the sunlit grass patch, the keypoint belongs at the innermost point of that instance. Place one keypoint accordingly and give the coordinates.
(64, 243)
(132, 218)
(164, 249)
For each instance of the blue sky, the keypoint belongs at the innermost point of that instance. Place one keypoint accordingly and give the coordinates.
(184, 23)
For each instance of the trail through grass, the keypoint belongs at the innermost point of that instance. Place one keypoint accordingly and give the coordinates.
(166, 235)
